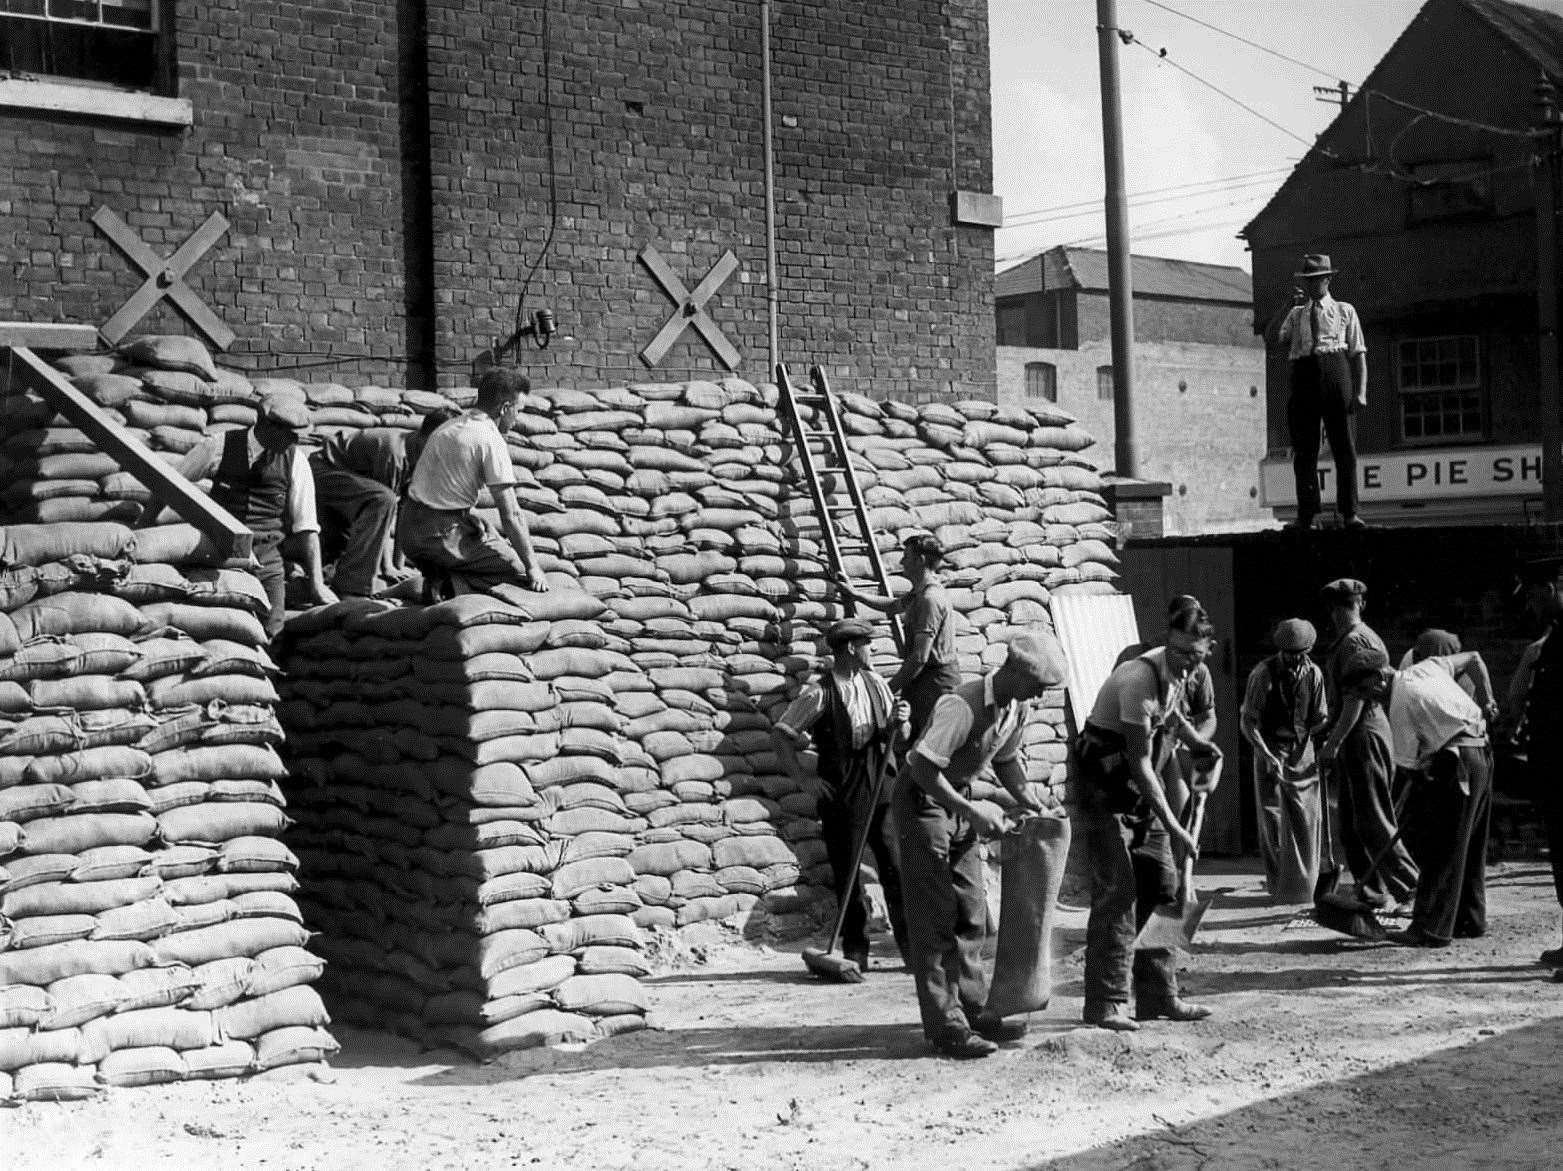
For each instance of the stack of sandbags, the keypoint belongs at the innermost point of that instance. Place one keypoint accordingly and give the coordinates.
(465, 795)
(147, 928)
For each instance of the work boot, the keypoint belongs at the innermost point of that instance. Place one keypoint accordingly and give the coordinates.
(1112, 1016)
(1355, 522)
(997, 1029)
(1552, 957)
(858, 955)
(962, 1046)
(1414, 936)
(1169, 1010)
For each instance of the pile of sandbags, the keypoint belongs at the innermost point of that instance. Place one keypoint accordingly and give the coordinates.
(147, 927)
(466, 804)
(167, 391)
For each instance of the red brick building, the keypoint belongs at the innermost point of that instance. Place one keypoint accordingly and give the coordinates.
(403, 178)
(1420, 191)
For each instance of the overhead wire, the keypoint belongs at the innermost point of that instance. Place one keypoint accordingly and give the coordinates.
(1133, 195)
(1091, 207)
(1251, 44)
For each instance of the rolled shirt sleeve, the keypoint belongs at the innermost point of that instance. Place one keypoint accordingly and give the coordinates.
(302, 517)
(1352, 328)
(946, 730)
(497, 469)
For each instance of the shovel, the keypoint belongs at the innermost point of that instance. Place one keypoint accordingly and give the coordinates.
(1174, 926)
(1337, 912)
(831, 964)
(1329, 871)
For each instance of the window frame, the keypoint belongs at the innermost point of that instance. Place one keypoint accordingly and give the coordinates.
(1049, 373)
(1106, 379)
(1476, 386)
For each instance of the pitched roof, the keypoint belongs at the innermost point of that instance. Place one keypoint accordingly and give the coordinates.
(1154, 276)
(1534, 28)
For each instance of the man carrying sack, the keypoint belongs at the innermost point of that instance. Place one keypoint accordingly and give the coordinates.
(1128, 827)
(940, 829)
(850, 717)
(1283, 712)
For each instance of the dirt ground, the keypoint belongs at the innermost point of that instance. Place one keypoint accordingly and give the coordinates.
(1324, 1052)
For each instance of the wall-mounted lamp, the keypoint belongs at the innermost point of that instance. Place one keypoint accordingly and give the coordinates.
(539, 325)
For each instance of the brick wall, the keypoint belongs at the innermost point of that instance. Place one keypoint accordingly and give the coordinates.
(388, 204)
(1159, 319)
(1205, 437)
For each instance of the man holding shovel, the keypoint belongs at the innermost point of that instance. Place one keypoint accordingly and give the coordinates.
(1128, 827)
(939, 827)
(850, 718)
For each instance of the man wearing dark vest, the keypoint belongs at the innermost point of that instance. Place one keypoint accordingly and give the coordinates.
(1360, 749)
(1127, 826)
(940, 828)
(360, 476)
(261, 475)
(1329, 381)
(850, 718)
(1283, 712)
(931, 667)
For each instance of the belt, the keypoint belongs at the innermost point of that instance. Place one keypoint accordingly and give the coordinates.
(441, 512)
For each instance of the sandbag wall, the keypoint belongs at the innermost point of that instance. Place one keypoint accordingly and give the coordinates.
(148, 931)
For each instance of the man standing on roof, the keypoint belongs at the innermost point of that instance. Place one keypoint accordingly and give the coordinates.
(438, 528)
(939, 827)
(1329, 381)
(931, 667)
(1283, 712)
(1360, 747)
(851, 719)
(261, 475)
(359, 478)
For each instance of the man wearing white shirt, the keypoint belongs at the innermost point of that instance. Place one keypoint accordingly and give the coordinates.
(437, 527)
(1329, 381)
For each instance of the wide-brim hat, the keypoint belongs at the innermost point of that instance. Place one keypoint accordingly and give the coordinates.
(1315, 264)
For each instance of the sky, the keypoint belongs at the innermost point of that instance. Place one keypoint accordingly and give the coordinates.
(1197, 165)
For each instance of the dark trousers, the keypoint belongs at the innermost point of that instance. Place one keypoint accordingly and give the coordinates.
(1129, 859)
(356, 515)
(463, 544)
(1367, 769)
(1453, 807)
(1546, 770)
(841, 821)
(923, 692)
(1321, 393)
(946, 911)
(273, 575)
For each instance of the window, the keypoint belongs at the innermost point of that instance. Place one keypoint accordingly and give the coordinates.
(116, 43)
(1440, 381)
(1042, 381)
(1456, 189)
(1104, 383)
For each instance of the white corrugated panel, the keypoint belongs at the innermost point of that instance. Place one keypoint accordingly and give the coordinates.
(1094, 629)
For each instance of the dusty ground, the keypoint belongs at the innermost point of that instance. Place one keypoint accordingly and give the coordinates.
(1324, 1053)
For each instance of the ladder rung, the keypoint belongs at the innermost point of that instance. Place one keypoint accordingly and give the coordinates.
(841, 507)
(808, 399)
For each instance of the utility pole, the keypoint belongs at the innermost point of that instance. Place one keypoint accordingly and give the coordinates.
(1544, 182)
(1336, 95)
(1120, 284)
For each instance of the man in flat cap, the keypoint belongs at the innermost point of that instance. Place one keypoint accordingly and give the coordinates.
(850, 719)
(1360, 749)
(1441, 740)
(261, 475)
(1543, 715)
(437, 528)
(1329, 381)
(931, 667)
(1283, 712)
(980, 723)
(1127, 826)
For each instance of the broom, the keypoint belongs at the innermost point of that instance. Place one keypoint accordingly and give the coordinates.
(831, 964)
(1336, 912)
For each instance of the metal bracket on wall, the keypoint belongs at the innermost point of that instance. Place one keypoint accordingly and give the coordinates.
(165, 278)
(690, 309)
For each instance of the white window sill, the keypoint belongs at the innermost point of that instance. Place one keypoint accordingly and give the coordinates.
(93, 102)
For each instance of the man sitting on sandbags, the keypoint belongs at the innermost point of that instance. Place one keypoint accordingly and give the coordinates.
(940, 828)
(261, 475)
(851, 718)
(438, 531)
(360, 476)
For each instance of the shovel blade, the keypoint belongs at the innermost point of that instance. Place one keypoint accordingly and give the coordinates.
(1173, 927)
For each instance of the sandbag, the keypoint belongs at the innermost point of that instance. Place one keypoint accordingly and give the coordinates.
(293, 1045)
(1033, 863)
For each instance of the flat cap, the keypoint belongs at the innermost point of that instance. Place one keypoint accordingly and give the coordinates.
(1039, 655)
(1367, 668)
(1343, 589)
(1295, 634)
(1434, 642)
(285, 412)
(846, 630)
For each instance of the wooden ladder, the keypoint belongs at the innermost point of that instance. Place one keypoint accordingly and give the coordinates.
(827, 471)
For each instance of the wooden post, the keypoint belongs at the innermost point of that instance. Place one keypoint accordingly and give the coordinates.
(1120, 282)
(167, 486)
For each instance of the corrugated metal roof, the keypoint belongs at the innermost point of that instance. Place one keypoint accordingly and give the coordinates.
(1154, 276)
